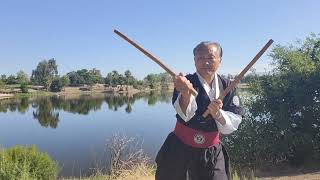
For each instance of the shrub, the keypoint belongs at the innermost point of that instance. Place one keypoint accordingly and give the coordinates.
(26, 163)
(24, 87)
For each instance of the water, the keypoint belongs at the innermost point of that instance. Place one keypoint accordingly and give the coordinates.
(74, 129)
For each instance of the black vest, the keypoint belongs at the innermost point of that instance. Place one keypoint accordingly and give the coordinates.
(197, 121)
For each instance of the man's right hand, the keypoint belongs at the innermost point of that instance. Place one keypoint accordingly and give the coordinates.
(183, 85)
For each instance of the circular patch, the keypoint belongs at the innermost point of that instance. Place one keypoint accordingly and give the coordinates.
(236, 100)
(199, 139)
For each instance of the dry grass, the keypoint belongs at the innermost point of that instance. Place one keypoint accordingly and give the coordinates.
(128, 162)
(310, 176)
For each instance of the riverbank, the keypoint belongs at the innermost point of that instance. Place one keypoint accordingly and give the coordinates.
(14, 91)
(150, 176)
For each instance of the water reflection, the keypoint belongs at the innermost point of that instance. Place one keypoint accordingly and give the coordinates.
(46, 109)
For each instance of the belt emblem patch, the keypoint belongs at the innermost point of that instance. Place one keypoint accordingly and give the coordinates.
(199, 139)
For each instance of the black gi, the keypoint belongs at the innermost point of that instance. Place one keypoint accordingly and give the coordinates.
(179, 161)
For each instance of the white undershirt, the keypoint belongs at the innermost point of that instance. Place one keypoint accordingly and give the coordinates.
(232, 120)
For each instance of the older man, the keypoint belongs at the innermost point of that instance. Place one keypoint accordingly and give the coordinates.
(193, 150)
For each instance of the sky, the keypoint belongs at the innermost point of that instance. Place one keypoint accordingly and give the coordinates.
(79, 33)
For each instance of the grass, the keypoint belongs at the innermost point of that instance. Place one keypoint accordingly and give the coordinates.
(32, 94)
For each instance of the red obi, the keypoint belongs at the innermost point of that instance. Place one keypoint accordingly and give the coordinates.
(196, 138)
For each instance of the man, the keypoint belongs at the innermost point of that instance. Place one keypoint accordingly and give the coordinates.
(193, 151)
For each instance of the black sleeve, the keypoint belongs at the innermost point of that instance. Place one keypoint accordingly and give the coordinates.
(232, 103)
(175, 95)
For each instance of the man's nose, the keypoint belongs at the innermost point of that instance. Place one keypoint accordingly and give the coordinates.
(207, 63)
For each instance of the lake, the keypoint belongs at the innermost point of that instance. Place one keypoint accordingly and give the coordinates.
(74, 129)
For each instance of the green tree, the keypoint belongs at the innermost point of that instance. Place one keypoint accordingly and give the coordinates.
(109, 79)
(75, 78)
(152, 80)
(4, 78)
(59, 83)
(284, 120)
(2, 83)
(65, 80)
(22, 77)
(165, 80)
(129, 78)
(95, 76)
(11, 80)
(24, 87)
(45, 73)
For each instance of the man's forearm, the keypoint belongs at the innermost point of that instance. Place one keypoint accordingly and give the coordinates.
(184, 102)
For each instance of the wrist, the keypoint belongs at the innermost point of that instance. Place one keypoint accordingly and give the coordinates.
(220, 118)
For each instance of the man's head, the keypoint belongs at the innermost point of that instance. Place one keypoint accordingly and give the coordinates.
(207, 58)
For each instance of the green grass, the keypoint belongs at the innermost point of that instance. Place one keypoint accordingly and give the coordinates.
(42, 93)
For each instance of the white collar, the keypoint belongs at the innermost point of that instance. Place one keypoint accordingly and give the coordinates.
(206, 86)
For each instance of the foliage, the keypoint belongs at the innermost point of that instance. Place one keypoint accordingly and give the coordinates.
(22, 77)
(45, 73)
(114, 78)
(2, 83)
(84, 76)
(3, 78)
(284, 120)
(58, 83)
(26, 163)
(152, 80)
(24, 87)
(11, 80)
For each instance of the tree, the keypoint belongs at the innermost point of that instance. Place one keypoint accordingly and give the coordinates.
(45, 72)
(11, 80)
(109, 79)
(95, 76)
(4, 78)
(58, 83)
(65, 80)
(1, 84)
(22, 77)
(24, 87)
(152, 80)
(129, 78)
(84, 76)
(165, 79)
(75, 78)
(284, 120)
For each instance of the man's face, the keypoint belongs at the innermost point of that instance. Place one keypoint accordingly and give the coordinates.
(207, 61)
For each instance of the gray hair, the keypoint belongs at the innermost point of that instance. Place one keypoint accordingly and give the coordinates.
(205, 44)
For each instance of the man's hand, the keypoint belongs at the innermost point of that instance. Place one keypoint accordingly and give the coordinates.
(214, 109)
(183, 85)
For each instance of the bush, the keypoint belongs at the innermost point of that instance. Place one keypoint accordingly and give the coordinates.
(26, 163)
(24, 87)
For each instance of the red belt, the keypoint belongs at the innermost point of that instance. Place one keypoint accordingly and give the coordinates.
(196, 138)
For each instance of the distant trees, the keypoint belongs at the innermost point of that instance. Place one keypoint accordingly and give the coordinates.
(114, 78)
(83, 76)
(45, 73)
(58, 83)
(158, 80)
(22, 77)
(11, 80)
(2, 84)
(152, 80)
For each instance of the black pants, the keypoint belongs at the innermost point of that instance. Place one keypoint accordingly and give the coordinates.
(178, 161)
